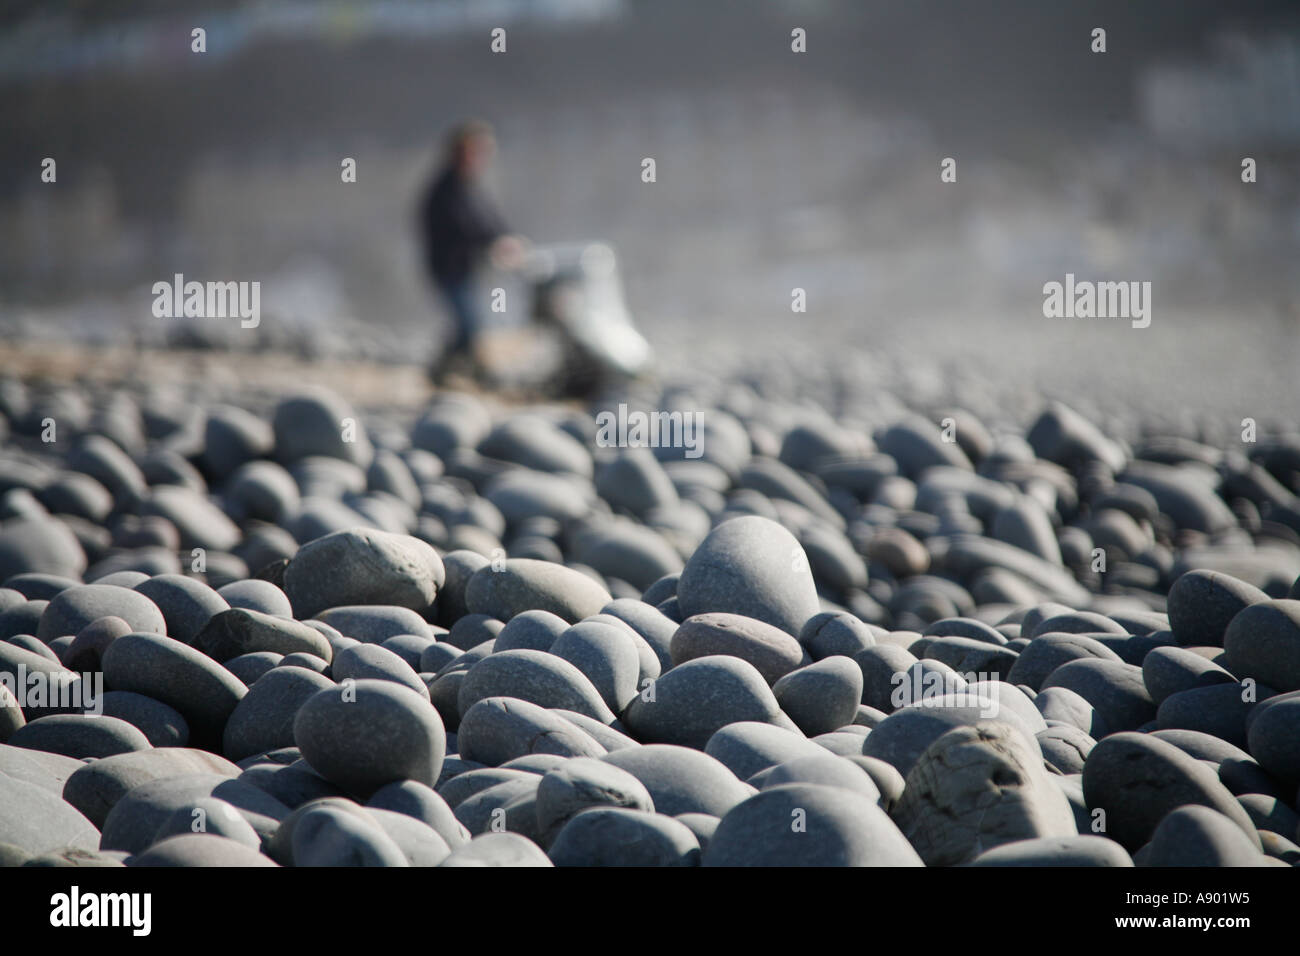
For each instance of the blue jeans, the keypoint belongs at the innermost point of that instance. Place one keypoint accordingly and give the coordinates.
(462, 299)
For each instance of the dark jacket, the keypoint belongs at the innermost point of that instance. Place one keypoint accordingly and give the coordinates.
(459, 221)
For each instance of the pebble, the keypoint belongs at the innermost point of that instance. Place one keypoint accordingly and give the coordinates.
(1203, 603)
(37, 821)
(531, 630)
(523, 584)
(1065, 747)
(370, 661)
(1263, 641)
(198, 849)
(211, 816)
(363, 566)
(136, 817)
(1114, 689)
(904, 736)
(495, 730)
(582, 783)
(374, 623)
(771, 651)
(607, 655)
(187, 605)
(1200, 836)
(424, 804)
(825, 769)
(180, 676)
(498, 849)
(1137, 780)
(1221, 711)
(1170, 670)
(73, 608)
(692, 701)
(535, 676)
(336, 730)
(805, 824)
(823, 696)
(754, 567)
(1078, 850)
(614, 836)
(886, 596)
(255, 595)
(239, 631)
(1273, 737)
(94, 788)
(264, 718)
(79, 735)
(975, 787)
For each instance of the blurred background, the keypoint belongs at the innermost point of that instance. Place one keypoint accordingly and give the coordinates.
(775, 170)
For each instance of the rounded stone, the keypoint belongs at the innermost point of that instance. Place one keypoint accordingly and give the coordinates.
(825, 769)
(1137, 780)
(374, 623)
(424, 804)
(186, 604)
(363, 566)
(136, 817)
(609, 836)
(823, 696)
(1202, 603)
(835, 632)
(95, 788)
(607, 654)
(1044, 654)
(370, 733)
(1169, 670)
(1065, 747)
(535, 676)
(72, 609)
(495, 730)
(531, 630)
(1078, 850)
(1115, 689)
(264, 719)
(1200, 836)
(840, 828)
(525, 584)
(211, 816)
(975, 787)
(255, 595)
(747, 748)
(331, 836)
(179, 676)
(691, 702)
(199, 849)
(1274, 737)
(497, 849)
(581, 783)
(1263, 641)
(80, 735)
(239, 631)
(680, 779)
(772, 651)
(370, 661)
(753, 567)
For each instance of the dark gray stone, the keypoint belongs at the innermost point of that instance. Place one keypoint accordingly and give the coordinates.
(337, 731)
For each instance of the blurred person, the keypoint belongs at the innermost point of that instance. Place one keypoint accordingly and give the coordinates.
(463, 232)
